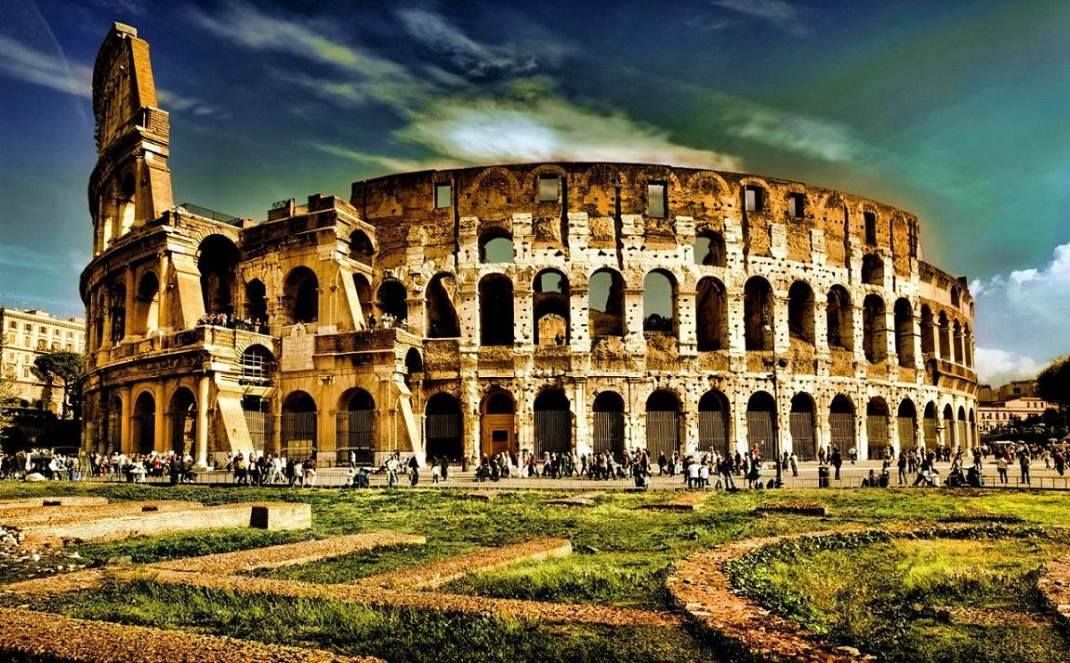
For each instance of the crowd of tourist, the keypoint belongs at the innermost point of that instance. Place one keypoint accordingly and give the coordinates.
(40, 464)
(234, 322)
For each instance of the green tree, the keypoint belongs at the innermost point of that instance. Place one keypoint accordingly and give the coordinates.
(1053, 384)
(65, 367)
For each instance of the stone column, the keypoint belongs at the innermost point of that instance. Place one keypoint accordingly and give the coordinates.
(634, 340)
(579, 322)
(159, 442)
(202, 421)
(163, 309)
(131, 300)
(581, 442)
(126, 425)
(685, 317)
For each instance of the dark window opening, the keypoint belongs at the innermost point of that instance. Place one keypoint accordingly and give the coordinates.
(871, 228)
(796, 205)
(655, 200)
(549, 189)
(752, 199)
(443, 196)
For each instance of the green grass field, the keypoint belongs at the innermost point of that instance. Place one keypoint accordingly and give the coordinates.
(882, 596)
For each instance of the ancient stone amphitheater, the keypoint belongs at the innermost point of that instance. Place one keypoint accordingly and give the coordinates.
(546, 307)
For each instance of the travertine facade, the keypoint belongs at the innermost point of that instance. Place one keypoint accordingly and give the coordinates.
(544, 307)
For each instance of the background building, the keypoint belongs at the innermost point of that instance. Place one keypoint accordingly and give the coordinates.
(27, 334)
(1002, 414)
(541, 307)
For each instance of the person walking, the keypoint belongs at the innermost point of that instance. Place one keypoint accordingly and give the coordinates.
(1001, 468)
(837, 461)
(902, 468)
(1023, 463)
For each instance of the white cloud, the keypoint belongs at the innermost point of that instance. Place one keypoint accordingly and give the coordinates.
(998, 367)
(177, 103)
(387, 163)
(791, 132)
(778, 13)
(51, 70)
(1025, 313)
(464, 53)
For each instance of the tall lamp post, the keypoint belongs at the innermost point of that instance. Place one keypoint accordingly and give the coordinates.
(775, 363)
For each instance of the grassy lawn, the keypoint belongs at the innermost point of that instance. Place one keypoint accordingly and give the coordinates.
(622, 554)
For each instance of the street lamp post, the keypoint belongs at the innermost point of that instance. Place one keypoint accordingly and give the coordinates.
(774, 364)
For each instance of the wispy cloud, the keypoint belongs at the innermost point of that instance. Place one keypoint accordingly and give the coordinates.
(50, 70)
(177, 103)
(127, 7)
(17, 257)
(464, 53)
(791, 132)
(387, 163)
(780, 14)
(1035, 297)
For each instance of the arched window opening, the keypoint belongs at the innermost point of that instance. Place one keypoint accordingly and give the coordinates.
(949, 427)
(957, 335)
(496, 246)
(301, 296)
(609, 423)
(842, 423)
(907, 424)
(801, 312)
(443, 428)
(838, 315)
(298, 422)
(967, 346)
(713, 421)
(759, 314)
(364, 298)
(955, 297)
(872, 269)
(931, 426)
(117, 311)
(442, 319)
(148, 304)
(553, 423)
(710, 249)
(393, 304)
(550, 304)
(183, 413)
(495, 310)
(928, 343)
(256, 305)
(606, 303)
(217, 261)
(874, 342)
(711, 316)
(904, 333)
(257, 366)
(355, 428)
(143, 427)
(659, 303)
(761, 425)
(945, 337)
(361, 248)
(662, 423)
(414, 366)
(803, 425)
(877, 428)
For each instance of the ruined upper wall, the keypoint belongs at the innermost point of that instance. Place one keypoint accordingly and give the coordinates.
(605, 191)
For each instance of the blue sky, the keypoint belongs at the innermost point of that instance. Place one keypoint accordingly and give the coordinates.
(955, 110)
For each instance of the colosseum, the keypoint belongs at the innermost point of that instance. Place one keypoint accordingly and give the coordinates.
(541, 307)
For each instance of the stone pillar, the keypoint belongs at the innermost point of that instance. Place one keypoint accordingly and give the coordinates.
(163, 310)
(685, 316)
(126, 425)
(523, 320)
(470, 398)
(634, 340)
(202, 421)
(159, 442)
(131, 300)
(889, 339)
(579, 323)
(581, 441)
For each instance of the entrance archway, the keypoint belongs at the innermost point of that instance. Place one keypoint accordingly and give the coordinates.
(931, 425)
(906, 424)
(803, 427)
(183, 412)
(662, 423)
(356, 427)
(298, 426)
(842, 423)
(553, 423)
(877, 428)
(443, 428)
(713, 423)
(496, 423)
(609, 423)
(761, 425)
(144, 423)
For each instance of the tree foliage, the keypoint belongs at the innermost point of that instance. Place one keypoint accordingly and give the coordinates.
(65, 367)
(1053, 383)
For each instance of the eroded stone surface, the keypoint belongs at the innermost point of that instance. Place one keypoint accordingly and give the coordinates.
(1053, 583)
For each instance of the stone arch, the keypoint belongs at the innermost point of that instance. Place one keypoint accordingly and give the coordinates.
(183, 415)
(663, 422)
(872, 269)
(839, 318)
(945, 336)
(928, 342)
(364, 297)
(842, 423)
(217, 261)
(714, 416)
(874, 341)
(967, 346)
(801, 312)
(301, 296)
(258, 365)
(495, 310)
(710, 249)
(299, 431)
(443, 427)
(117, 310)
(497, 423)
(440, 299)
(496, 246)
(711, 315)
(143, 426)
(147, 311)
(414, 363)
(950, 437)
(605, 297)
(392, 301)
(877, 414)
(962, 438)
(659, 302)
(762, 425)
(550, 305)
(904, 332)
(759, 314)
(803, 425)
(493, 190)
(956, 347)
(907, 425)
(931, 426)
(608, 434)
(361, 247)
(355, 426)
(256, 303)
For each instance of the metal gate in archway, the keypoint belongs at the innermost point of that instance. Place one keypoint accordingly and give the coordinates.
(931, 439)
(553, 431)
(877, 434)
(803, 442)
(907, 436)
(760, 433)
(608, 432)
(298, 432)
(842, 429)
(662, 432)
(712, 431)
(354, 434)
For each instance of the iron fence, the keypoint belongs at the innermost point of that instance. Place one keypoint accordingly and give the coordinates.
(803, 441)
(842, 428)
(662, 433)
(354, 433)
(877, 434)
(608, 432)
(298, 431)
(760, 434)
(553, 431)
(713, 431)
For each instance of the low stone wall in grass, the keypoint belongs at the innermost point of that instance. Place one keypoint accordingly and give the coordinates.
(32, 637)
(62, 515)
(9, 506)
(1053, 583)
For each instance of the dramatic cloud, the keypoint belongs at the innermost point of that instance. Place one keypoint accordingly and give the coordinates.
(781, 15)
(1025, 310)
(998, 367)
(465, 54)
(50, 70)
(387, 163)
(791, 132)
